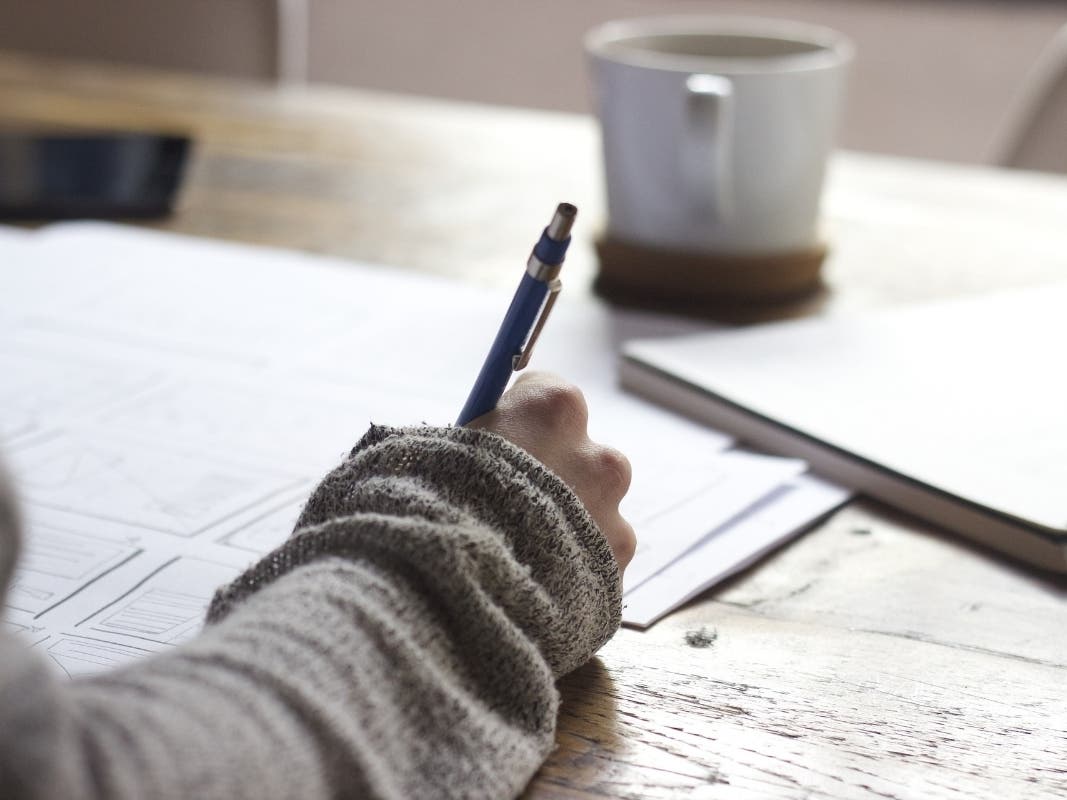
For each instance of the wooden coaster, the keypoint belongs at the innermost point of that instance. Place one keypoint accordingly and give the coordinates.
(650, 277)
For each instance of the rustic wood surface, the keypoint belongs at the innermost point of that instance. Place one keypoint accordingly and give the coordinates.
(874, 657)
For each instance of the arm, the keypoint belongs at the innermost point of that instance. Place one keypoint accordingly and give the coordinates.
(403, 643)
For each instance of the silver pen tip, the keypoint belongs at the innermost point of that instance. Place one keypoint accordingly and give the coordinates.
(562, 221)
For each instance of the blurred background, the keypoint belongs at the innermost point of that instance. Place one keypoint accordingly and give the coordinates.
(958, 80)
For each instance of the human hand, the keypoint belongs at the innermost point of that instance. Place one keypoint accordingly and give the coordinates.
(547, 418)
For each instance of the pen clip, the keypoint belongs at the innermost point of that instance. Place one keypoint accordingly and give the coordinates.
(523, 357)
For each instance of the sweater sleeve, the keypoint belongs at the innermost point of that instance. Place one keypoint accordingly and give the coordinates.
(403, 643)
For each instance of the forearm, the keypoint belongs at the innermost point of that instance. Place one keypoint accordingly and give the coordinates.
(481, 525)
(403, 643)
(334, 681)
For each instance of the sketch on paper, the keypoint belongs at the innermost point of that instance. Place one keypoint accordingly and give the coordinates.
(81, 655)
(140, 484)
(55, 565)
(167, 606)
(39, 388)
(268, 531)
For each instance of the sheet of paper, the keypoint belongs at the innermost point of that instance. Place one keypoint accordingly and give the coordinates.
(729, 549)
(168, 403)
(689, 503)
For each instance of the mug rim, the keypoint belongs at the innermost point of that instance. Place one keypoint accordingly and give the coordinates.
(607, 41)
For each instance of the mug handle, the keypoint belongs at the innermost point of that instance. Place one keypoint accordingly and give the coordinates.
(705, 153)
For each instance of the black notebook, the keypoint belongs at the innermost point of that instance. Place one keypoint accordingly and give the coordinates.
(955, 411)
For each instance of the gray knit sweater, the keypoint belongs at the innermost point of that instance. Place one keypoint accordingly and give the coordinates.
(403, 643)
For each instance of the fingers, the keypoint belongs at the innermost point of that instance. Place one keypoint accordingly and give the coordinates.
(601, 480)
(612, 469)
(538, 405)
(550, 402)
(622, 539)
(548, 418)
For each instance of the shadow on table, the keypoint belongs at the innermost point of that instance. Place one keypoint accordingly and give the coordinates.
(587, 738)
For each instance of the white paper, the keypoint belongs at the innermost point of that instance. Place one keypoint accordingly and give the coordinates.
(731, 548)
(168, 403)
(689, 504)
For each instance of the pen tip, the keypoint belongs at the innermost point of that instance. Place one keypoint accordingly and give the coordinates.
(560, 226)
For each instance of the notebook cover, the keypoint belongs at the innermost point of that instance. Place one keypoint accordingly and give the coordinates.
(955, 411)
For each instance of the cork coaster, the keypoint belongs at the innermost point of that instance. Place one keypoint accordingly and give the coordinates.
(650, 277)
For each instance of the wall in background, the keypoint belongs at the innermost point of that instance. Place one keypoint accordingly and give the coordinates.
(230, 37)
(933, 78)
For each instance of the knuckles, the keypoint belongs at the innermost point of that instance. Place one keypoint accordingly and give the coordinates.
(613, 469)
(624, 545)
(560, 403)
(554, 417)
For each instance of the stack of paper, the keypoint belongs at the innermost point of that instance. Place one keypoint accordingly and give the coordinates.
(168, 403)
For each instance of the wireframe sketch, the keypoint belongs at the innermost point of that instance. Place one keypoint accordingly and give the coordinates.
(56, 564)
(263, 534)
(82, 655)
(313, 429)
(31, 634)
(166, 607)
(39, 387)
(139, 484)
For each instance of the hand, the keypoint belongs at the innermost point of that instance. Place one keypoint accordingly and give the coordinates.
(547, 418)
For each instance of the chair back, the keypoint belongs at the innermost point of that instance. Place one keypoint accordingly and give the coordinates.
(1036, 134)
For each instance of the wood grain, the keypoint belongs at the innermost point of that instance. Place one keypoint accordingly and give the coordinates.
(872, 658)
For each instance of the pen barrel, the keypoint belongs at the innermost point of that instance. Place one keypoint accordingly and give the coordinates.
(499, 364)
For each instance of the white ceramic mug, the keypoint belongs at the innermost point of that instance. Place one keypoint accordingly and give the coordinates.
(716, 130)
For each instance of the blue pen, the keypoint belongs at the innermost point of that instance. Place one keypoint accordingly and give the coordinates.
(526, 316)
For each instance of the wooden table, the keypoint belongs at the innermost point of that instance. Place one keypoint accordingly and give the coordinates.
(874, 657)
